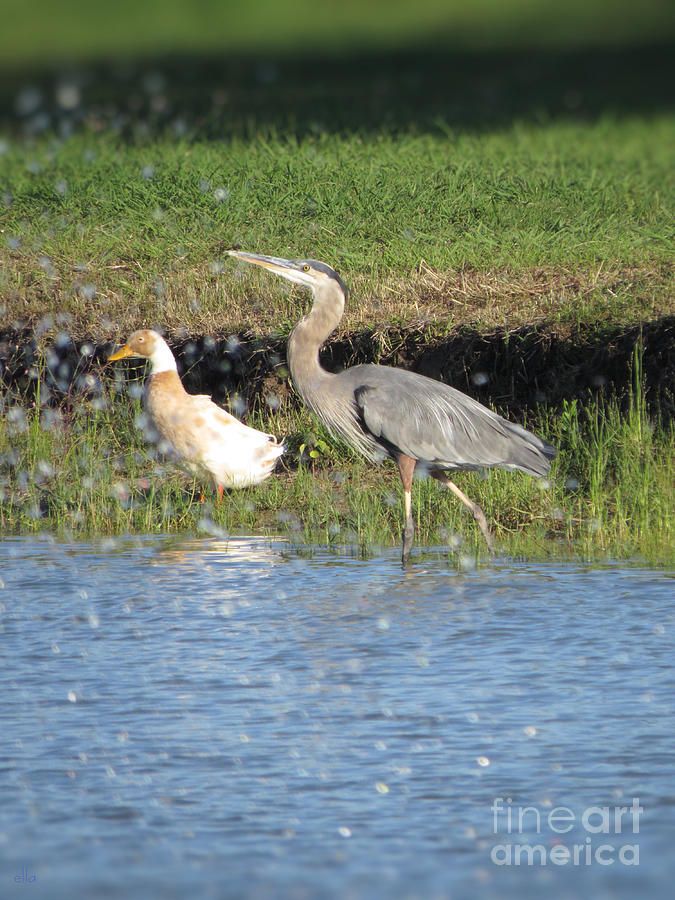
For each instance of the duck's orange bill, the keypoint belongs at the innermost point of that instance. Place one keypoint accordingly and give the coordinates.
(122, 353)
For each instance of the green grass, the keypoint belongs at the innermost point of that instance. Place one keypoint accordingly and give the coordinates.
(84, 470)
(39, 30)
(112, 245)
(487, 186)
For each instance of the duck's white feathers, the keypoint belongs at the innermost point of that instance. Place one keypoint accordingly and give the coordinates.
(208, 438)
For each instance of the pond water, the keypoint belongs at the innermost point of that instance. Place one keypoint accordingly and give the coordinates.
(209, 718)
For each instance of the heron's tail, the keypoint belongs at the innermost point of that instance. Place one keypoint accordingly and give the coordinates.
(532, 454)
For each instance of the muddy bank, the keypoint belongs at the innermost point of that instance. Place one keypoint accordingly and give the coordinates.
(515, 370)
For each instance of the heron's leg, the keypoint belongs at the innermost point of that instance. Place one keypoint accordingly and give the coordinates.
(406, 467)
(476, 511)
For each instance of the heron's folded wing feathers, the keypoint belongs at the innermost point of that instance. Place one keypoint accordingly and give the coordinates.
(433, 422)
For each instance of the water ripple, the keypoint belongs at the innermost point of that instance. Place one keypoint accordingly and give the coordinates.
(231, 718)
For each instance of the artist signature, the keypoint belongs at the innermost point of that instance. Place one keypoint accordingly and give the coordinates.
(25, 877)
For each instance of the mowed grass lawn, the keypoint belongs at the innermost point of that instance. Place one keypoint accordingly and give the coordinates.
(118, 234)
(410, 148)
(78, 31)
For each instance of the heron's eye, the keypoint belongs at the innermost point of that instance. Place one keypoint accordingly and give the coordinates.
(305, 268)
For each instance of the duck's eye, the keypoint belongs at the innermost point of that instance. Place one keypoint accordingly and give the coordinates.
(305, 268)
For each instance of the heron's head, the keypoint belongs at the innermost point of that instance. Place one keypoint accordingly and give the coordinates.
(141, 343)
(309, 272)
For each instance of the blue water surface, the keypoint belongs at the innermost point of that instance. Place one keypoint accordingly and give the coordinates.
(210, 718)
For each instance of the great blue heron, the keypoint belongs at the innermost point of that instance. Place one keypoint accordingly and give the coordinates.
(208, 440)
(385, 412)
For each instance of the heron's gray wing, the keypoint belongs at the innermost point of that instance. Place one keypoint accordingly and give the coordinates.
(432, 422)
(401, 423)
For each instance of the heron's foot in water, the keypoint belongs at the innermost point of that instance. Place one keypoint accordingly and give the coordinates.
(408, 540)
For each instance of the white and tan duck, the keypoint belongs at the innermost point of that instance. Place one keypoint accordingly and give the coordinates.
(208, 440)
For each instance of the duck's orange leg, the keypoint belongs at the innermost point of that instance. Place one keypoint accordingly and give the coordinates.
(220, 493)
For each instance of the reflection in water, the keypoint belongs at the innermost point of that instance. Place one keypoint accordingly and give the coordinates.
(230, 718)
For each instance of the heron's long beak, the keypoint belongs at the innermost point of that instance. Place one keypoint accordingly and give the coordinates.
(122, 353)
(287, 268)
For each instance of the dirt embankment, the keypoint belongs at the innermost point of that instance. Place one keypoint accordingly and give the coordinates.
(514, 370)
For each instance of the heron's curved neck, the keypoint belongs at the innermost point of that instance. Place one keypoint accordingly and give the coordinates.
(309, 334)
